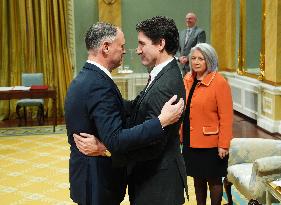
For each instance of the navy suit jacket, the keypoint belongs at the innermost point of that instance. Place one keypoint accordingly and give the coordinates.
(94, 105)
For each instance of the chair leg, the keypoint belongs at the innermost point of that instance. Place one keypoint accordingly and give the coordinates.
(227, 187)
(18, 113)
(253, 202)
(40, 115)
(25, 117)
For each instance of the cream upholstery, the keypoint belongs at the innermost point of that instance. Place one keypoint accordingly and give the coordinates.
(253, 161)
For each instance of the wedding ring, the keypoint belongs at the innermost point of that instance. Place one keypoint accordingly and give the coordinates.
(107, 153)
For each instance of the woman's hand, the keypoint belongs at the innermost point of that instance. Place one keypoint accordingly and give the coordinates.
(222, 152)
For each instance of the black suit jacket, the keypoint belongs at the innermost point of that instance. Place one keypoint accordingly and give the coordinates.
(94, 105)
(157, 172)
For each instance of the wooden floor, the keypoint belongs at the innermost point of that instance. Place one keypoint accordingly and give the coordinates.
(246, 127)
(242, 127)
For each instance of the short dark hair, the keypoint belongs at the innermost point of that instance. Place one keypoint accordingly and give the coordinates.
(161, 27)
(99, 32)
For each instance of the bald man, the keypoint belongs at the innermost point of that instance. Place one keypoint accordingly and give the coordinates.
(189, 37)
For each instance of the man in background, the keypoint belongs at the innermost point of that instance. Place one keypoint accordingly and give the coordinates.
(189, 37)
(94, 105)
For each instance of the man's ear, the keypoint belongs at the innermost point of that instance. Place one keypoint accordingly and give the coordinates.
(105, 47)
(162, 44)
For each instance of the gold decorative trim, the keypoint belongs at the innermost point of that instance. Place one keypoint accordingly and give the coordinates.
(227, 69)
(241, 52)
(262, 52)
(109, 2)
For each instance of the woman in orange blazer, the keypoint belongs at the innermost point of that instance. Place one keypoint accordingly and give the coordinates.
(207, 125)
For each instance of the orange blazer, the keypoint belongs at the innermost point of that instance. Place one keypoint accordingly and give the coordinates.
(211, 112)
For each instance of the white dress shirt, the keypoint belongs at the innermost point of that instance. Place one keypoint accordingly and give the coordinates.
(157, 70)
(100, 67)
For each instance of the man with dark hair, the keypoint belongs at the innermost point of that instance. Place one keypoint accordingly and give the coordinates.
(94, 105)
(157, 172)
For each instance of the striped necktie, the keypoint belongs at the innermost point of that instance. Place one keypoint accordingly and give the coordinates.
(187, 35)
(148, 81)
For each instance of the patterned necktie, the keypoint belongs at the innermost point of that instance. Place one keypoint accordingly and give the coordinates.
(187, 35)
(148, 81)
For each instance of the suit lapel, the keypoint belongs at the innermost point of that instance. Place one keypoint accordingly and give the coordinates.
(183, 38)
(167, 67)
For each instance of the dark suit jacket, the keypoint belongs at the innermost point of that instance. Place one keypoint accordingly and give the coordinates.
(157, 172)
(197, 36)
(94, 105)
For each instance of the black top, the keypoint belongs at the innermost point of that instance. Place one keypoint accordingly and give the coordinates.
(186, 121)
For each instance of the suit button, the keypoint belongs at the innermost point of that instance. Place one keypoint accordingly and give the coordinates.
(191, 128)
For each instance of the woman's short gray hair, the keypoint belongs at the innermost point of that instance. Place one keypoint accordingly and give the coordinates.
(209, 54)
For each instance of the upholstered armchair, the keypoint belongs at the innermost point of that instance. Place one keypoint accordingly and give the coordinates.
(252, 162)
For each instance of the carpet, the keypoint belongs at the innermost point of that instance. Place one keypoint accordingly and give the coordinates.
(34, 130)
(34, 170)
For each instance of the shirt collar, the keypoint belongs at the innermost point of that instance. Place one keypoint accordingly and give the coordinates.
(100, 67)
(191, 29)
(158, 68)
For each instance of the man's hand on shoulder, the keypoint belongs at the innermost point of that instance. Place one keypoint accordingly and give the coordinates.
(171, 112)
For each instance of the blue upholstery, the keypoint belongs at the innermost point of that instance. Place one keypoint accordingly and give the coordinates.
(29, 79)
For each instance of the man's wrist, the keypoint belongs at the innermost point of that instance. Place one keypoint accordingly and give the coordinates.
(162, 121)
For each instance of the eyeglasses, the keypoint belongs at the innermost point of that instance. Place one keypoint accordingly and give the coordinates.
(200, 59)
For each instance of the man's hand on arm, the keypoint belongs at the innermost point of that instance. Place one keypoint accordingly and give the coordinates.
(89, 145)
(171, 113)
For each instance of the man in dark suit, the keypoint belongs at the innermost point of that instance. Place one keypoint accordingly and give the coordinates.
(94, 105)
(189, 38)
(157, 172)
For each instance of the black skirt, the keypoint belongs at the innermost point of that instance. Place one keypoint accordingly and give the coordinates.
(204, 162)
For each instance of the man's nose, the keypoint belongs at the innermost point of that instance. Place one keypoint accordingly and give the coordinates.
(138, 51)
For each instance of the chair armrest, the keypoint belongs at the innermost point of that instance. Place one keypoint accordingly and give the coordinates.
(264, 170)
(247, 150)
(268, 166)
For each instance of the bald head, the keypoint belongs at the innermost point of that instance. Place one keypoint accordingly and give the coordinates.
(190, 19)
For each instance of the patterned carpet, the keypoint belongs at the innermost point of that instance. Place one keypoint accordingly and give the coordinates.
(35, 130)
(34, 169)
